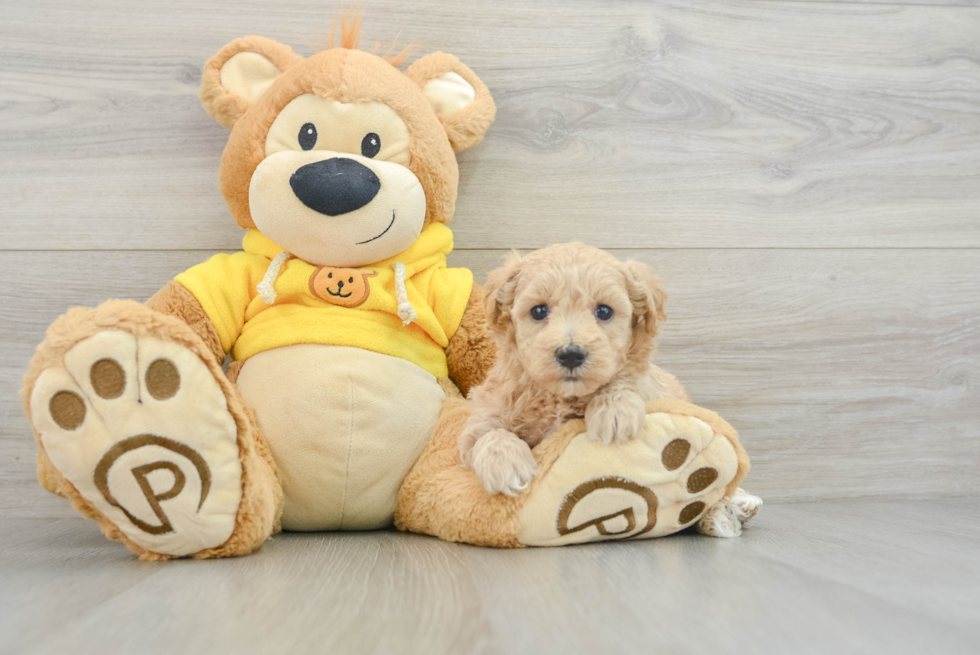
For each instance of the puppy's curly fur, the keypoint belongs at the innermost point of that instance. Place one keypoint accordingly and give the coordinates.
(536, 385)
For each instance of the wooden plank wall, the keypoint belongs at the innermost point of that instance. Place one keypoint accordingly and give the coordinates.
(804, 175)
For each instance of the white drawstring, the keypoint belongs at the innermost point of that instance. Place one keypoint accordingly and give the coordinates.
(266, 288)
(405, 310)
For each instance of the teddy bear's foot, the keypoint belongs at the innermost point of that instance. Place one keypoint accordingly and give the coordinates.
(663, 480)
(142, 430)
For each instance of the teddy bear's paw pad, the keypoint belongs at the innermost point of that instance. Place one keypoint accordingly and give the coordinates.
(141, 428)
(661, 481)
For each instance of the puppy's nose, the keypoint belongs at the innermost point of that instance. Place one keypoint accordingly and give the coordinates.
(571, 357)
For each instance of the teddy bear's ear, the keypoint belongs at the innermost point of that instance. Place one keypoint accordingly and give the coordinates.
(458, 97)
(240, 73)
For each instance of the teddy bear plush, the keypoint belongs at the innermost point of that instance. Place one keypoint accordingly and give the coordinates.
(353, 345)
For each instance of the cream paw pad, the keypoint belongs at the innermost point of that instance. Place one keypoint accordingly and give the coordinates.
(141, 428)
(663, 480)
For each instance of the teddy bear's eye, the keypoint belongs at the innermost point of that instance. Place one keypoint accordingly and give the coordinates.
(351, 280)
(539, 312)
(370, 144)
(603, 312)
(307, 136)
(330, 275)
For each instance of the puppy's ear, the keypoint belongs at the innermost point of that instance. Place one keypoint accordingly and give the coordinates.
(648, 298)
(500, 290)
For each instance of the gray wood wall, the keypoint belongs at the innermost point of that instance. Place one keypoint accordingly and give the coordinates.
(804, 175)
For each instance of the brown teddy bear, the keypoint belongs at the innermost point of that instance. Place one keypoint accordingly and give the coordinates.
(353, 343)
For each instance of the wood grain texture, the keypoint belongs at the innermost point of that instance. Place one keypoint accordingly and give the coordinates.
(853, 577)
(847, 372)
(804, 175)
(625, 124)
(922, 3)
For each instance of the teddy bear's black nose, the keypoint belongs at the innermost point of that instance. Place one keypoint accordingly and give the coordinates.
(571, 357)
(335, 186)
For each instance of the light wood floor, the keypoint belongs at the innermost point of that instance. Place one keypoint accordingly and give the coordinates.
(834, 577)
(804, 175)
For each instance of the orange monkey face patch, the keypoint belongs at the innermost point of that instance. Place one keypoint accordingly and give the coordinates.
(345, 287)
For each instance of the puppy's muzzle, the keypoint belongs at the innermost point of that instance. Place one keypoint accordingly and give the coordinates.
(335, 186)
(571, 357)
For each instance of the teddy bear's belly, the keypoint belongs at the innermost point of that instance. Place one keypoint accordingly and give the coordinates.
(345, 426)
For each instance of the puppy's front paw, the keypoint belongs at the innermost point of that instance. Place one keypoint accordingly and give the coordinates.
(614, 417)
(503, 463)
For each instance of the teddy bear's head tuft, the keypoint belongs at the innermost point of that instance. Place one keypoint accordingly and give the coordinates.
(341, 158)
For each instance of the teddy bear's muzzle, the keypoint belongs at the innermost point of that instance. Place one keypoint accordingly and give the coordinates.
(335, 186)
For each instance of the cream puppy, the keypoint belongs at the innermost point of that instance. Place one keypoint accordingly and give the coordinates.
(575, 329)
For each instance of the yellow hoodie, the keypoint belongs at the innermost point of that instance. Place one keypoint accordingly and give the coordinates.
(336, 306)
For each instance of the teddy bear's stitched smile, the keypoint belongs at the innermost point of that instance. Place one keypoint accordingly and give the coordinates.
(359, 243)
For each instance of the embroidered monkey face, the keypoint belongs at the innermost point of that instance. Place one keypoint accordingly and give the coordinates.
(341, 159)
(346, 287)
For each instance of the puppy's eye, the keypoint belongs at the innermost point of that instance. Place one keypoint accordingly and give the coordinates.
(539, 312)
(603, 312)
(307, 136)
(370, 145)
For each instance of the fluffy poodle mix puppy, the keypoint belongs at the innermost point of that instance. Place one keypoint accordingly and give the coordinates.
(575, 331)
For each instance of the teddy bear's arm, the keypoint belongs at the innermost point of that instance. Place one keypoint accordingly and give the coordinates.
(471, 352)
(175, 300)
